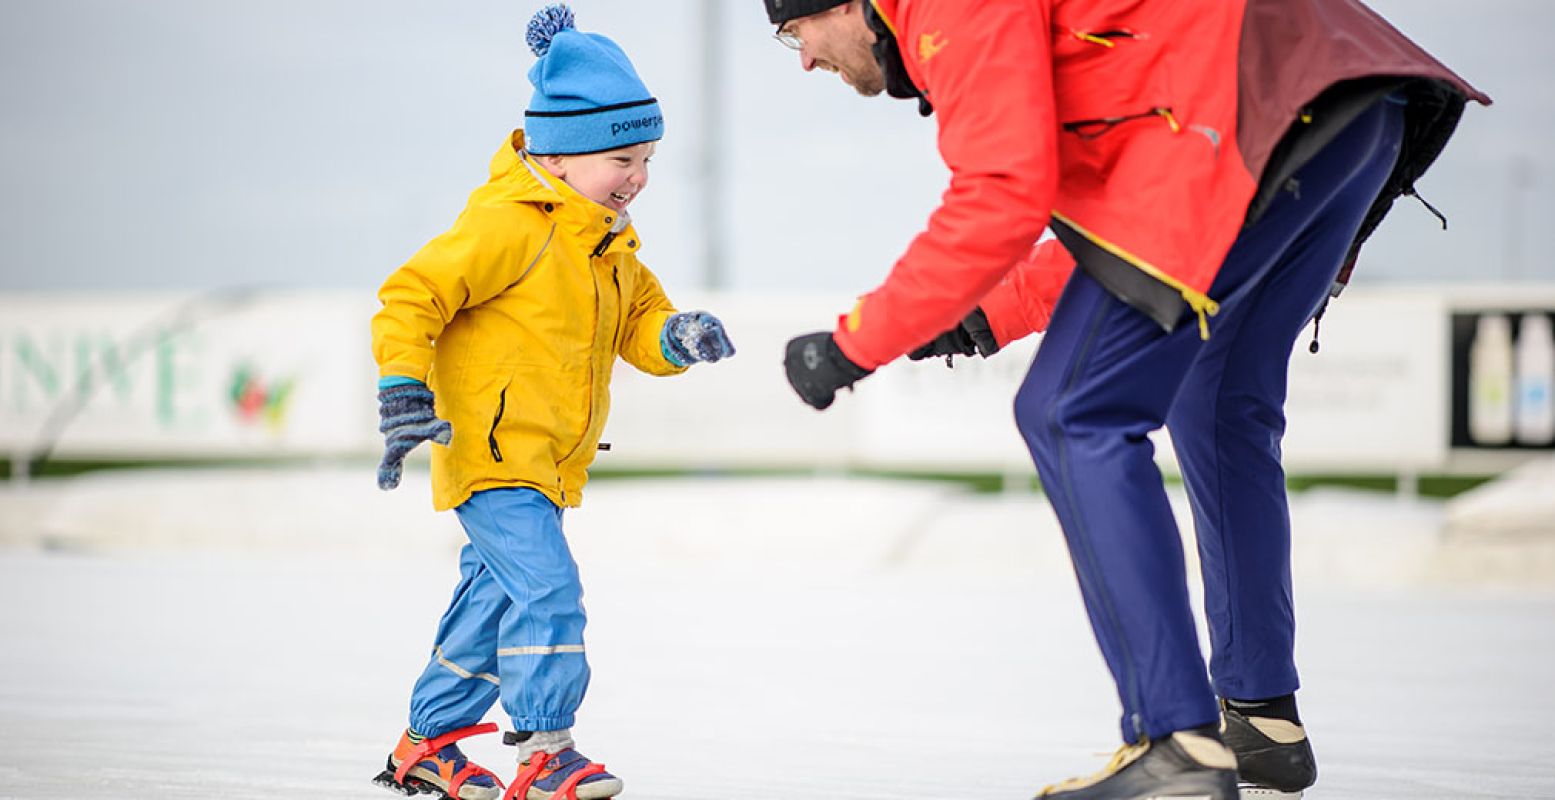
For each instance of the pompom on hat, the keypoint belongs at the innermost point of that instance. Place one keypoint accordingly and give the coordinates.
(587, 95)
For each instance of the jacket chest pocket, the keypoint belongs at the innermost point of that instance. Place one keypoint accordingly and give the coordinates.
(1108, 76)
(616, 302)
(491, 435)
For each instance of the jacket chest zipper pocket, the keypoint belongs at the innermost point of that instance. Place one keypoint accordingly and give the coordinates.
(491, 437)
(1105, 38)
(615, 336)
(1095, 128)
(1093, 59)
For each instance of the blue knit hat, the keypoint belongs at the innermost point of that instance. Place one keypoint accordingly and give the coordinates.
(587, 96)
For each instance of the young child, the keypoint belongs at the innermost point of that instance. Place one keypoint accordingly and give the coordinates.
(512, 321)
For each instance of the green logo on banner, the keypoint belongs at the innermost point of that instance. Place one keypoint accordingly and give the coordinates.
(257, 401)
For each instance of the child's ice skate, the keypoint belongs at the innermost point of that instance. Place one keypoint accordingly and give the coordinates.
(1273, 757)
(436, 766)
(565, 775)
(1183, 765)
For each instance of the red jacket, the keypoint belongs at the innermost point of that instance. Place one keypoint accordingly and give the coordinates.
(1146, 133)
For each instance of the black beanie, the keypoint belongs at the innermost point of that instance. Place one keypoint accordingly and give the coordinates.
(781, 11)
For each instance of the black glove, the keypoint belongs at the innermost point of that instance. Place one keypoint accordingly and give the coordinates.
(406, 420)
(971, 337)
(817, 369)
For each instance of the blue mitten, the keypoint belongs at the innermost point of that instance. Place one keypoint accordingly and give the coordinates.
(406, 420)
(692, 336)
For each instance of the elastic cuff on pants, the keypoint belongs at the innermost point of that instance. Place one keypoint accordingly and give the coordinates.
(543, 723)
(429, 729)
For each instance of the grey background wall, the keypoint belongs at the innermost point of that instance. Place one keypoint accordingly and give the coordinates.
(195, 144)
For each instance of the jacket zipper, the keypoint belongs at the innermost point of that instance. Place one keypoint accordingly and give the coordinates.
(491, 437)
(616, 226)
(1095, 128)
(1104, 38)
(615, 341)
(603, 243)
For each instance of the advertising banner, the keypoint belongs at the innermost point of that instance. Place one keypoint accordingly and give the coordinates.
(230, 374)
(1407, 380)
(1503, 364)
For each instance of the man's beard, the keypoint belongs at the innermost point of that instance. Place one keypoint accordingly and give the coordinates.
(870, 85)
(867, 79)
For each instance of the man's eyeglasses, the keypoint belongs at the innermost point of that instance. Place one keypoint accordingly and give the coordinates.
(788, 38)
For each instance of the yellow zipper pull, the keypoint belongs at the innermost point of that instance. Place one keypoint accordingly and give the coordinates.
(1093, 39)
(1204, 308)
(1170, 120)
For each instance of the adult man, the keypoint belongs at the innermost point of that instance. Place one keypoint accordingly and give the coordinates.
(1213, 167)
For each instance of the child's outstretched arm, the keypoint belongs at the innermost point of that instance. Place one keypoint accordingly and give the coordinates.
(662, 341)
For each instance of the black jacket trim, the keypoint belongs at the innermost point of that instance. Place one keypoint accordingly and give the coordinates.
(1123, 280)
(1431, 115)
(1322, 120)
(1429, 121)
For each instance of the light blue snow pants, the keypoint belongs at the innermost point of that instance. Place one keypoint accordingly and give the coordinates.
(515, 625)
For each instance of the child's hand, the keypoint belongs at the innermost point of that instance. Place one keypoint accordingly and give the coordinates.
(406, 420)
(694, 336)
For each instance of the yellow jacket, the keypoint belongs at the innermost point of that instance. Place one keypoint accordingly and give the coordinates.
(528, 300)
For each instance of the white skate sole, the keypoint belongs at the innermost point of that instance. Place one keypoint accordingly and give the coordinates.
(1265, 793)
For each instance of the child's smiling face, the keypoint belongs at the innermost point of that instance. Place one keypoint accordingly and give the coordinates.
(612, 178)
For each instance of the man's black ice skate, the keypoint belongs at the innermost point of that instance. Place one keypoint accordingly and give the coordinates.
(1183, 766)
(1273, 757)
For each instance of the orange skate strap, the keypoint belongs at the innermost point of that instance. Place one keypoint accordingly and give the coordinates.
(470, 770)
(569, 788)
(530, 771)
(527, 773)
(430, 746)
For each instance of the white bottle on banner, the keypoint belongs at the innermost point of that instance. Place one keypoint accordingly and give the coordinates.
(1535, 416)
(1490, 381)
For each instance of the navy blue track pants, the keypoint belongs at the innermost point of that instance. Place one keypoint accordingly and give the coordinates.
(1106, 376)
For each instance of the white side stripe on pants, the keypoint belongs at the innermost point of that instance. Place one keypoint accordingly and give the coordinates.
(540, 650)
(462, 672)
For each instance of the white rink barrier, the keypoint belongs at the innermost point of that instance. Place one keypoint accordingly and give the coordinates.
(1409, 380)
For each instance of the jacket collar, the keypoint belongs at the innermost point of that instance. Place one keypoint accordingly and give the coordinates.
(887, 11)
(606, 229)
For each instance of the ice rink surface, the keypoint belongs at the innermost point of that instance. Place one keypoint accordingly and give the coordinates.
(255, 636)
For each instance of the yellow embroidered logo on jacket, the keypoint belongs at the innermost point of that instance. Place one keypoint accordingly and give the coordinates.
(856, 316)
(929, 45)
